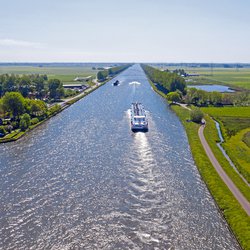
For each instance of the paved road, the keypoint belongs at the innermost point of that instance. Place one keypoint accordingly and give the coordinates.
(235, 191)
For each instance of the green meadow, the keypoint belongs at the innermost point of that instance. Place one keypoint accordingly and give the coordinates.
(238, 78)
(65, 74)
(238, 220)
(235, 125)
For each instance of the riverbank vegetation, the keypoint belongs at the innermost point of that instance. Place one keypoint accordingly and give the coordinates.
(24, 101)
(165, 81)
(233, 75)
(103, 75)
(28, 100)
(236, 217)
(173, 84)
(235, 126)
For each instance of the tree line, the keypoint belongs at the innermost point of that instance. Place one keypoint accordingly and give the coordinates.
(171, 81)
(102, 75)
(33, 86)
(200, 97)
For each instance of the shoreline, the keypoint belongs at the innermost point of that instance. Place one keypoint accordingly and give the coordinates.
(66, 104)
(237, 220)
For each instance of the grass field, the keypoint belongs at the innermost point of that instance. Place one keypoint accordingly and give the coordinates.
(65, 74)
(231, 77)
(235, 125)
(232, 211)
(238, 78)
(234, 119)
(239, 152)
(246, 139)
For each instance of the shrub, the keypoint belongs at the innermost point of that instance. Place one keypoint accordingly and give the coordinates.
(15, 125)
(196, 115)
(23, 125)
(173, 97)
(2, 130)
(34, 121)
(54, 109)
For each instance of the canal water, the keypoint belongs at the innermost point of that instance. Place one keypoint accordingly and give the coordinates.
(83, 180)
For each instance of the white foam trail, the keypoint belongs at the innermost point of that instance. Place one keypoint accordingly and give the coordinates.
(134, 82)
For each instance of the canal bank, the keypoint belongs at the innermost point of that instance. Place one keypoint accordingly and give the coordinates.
(238, 220)
(15, 135)
(84, 180)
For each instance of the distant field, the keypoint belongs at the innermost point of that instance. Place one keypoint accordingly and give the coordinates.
(226, 76)
(65, 74)
(238, 78)
(228, 111)
(234, 119)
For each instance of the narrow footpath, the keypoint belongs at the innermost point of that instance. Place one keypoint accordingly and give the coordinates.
(235, 191)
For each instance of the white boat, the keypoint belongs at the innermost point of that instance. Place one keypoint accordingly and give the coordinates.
(139, 121)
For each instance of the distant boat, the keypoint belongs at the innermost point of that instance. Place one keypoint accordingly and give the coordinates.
(139, 121)
(116, 83)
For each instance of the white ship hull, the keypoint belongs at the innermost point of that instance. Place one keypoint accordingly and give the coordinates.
(139, 121)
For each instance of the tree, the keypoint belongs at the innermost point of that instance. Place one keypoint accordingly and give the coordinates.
(173, 97)
(215, 98)
(24, 122)
(54, 88)
(13, 102)
(101, 75)
(196, 115)
(35, 107)
(24, 85)
(39, 86)
(60, 92)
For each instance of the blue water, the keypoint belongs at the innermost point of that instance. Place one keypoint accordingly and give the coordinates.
(83, 180)
(211, 88)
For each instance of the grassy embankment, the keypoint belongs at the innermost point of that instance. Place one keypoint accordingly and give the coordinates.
(235, 125)
(236, 217)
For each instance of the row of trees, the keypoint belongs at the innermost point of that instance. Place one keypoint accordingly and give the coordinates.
(203, 98)
(33, 86)
(169, 80)
(103, 74)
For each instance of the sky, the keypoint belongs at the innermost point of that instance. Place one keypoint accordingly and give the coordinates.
(125, 31)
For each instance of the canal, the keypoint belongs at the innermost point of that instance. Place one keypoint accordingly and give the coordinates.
(83, 180)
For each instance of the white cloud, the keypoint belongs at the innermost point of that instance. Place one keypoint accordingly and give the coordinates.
(20, 43)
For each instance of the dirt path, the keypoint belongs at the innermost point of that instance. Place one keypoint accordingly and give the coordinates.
(235, 191)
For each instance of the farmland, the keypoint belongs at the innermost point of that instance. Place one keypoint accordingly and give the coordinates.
(231, 77)
(238, 78)
(63, 73)
(235, 125)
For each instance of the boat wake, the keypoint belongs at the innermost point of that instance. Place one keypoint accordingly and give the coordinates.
(134, 83)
